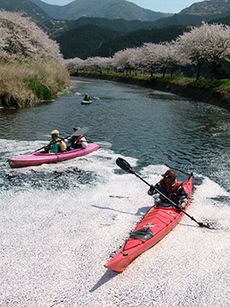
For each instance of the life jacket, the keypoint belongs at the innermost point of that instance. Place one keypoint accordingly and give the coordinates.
(75, 142)
(170, 190)
(79, 137)
(53, 146)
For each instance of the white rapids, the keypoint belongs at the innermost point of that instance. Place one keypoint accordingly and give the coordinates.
(58, 229)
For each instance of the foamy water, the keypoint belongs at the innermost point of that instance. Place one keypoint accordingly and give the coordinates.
(60, 223)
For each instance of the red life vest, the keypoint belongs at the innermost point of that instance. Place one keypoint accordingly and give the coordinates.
(170, 190)
(79, 137)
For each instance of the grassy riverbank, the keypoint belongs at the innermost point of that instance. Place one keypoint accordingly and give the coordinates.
(27, 84)
(216, 92)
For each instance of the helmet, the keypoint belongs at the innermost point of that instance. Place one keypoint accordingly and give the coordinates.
(169, 173)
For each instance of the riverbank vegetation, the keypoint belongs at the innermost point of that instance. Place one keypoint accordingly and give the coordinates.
(27, 84)
(32, 68)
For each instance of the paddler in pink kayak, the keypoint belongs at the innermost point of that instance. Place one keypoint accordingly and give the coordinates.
(76, 140)
(172, 189)
(56, 144)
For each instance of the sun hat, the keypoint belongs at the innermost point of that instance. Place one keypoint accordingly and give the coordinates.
(55, 132)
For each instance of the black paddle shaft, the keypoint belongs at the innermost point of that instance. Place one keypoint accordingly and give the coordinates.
(127, 167)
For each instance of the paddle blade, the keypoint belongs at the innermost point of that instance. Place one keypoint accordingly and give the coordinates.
(124, 165)
(80, 131)
(105, 145)
(205, 225)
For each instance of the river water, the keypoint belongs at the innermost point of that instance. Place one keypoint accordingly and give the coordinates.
(61, 223)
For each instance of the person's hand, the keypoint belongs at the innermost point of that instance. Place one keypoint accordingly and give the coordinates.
(151, 189)
(183, 204)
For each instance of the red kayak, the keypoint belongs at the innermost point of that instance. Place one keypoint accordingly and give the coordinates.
(156, 224)
(39, 158)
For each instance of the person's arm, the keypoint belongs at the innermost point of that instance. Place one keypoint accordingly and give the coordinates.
(183, 196)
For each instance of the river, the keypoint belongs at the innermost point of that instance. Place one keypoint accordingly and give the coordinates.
(60, 223)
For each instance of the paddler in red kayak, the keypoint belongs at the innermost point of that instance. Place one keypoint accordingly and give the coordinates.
(172, 189)
(56, 144)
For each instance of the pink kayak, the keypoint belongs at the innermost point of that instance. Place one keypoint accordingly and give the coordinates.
(39, 158)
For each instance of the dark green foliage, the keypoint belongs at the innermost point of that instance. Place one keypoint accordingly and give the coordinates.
(223, 20)
(87, 37)
(84, 41)
(40, 90)
(56, 27)
(137, 38)
(88, 40)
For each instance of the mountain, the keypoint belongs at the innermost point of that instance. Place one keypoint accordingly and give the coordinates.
(28, 8)
(84, 41)
(88, 41)
(55, 28)
(138, 38)
(95, 36)
(210, 7)
(110, 9)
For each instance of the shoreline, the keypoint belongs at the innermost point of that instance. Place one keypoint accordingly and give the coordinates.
(188, 90)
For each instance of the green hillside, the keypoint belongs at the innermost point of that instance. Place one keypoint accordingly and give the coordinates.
(137, 38)
(84, 41)
(90, 40)
(56, 27)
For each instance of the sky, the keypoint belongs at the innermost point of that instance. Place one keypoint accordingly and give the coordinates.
(164, 6)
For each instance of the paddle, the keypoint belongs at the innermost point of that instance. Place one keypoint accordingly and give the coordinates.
(78, 132)
(104, 145)
(127, 167)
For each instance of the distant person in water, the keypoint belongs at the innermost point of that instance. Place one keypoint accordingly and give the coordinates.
(172, 189)
(87, 97)
(56, 144)
(77, 141)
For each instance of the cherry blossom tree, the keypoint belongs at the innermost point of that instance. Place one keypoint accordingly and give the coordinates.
(207, 43)
(148, 60)
(168, 56)
(74, 64)
(135, 59)
(217, 37)
(23, 38)
(121, 60)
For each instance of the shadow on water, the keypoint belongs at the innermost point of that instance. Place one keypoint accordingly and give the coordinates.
(104, 279)
(140, 212)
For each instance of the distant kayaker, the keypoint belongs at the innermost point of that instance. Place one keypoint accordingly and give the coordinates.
(56, 144)
(78, 141)
(171, 188)
(87, 97)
